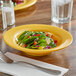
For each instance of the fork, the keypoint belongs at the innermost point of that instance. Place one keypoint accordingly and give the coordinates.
(9, 60)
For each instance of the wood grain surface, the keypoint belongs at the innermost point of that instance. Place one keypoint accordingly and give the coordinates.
(40, 13)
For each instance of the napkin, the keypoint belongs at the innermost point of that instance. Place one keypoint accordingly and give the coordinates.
(24, 69)
(20, 69)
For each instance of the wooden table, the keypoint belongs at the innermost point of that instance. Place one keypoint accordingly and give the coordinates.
(40, 13)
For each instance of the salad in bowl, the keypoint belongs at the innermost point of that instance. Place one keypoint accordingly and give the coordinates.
(36, 40)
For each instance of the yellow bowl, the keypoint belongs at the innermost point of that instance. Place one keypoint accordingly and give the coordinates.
(64, 38)
(26, 4)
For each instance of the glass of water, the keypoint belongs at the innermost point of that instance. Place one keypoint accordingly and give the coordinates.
(61, 11)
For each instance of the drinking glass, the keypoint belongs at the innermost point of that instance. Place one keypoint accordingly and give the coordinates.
(61, 11)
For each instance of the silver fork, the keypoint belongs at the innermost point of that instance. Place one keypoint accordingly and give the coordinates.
(9, 60)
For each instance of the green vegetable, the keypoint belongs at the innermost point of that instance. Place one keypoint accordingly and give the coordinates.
(25, 41)
(14, 3)
(29, 45)
(42, 41)
(43, 35)
(32, 33)
(33, 47)
(52, 44)
(22, 36)
(42, 44)
(38, 32)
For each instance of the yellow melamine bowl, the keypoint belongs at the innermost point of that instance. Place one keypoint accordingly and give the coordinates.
(26, 4)
(63, 37)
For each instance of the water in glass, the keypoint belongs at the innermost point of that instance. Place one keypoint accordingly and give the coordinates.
(61, 11)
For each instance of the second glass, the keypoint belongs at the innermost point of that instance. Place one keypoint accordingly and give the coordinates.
(61, 11)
